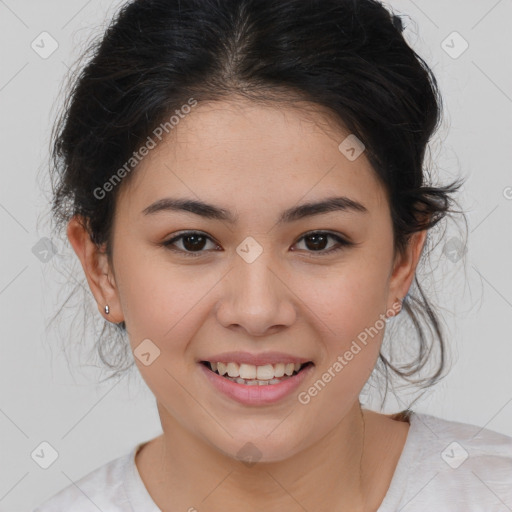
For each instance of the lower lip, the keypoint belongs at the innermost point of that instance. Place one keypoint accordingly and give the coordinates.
(256, 395)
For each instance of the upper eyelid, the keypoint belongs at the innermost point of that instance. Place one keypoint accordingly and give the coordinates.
(188, 233)
(342, 238)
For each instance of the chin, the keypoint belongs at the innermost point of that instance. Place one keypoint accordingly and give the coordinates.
(252, 449)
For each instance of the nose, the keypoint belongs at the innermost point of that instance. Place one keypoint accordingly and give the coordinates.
(256, 298)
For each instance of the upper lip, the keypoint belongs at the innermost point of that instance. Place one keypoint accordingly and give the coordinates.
(255, 359)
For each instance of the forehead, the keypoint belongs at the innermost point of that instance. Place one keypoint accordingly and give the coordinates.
(258, 153)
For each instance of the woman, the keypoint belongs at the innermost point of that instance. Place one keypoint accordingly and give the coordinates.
(243, 183)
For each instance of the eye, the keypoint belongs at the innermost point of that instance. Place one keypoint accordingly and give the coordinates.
(192, 242)
(317, 241)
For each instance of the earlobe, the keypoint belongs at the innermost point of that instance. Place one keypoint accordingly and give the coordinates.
(405, 266)
(96, 268)
(396, 308)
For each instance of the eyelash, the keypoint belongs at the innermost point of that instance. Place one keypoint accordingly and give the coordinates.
(341, 241)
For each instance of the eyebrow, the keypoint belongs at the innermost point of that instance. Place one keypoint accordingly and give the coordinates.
(210, 211)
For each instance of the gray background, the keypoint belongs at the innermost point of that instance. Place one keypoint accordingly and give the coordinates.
(90, 423)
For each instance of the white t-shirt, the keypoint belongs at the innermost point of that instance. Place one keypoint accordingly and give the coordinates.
(445, 466)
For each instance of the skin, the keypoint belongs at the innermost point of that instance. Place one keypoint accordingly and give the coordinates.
(241, 156)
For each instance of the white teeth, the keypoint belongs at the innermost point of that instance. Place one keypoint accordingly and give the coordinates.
(221, 368)
(254, 382)
(288, 369)
(279, 370)
(265, 372)
(250, 372)
(233, 369)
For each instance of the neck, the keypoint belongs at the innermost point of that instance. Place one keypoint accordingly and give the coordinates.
(192, 474)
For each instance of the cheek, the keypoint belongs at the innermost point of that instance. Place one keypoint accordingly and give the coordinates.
(161, 301)
(348, 306)
(163, 311)
(351, 326)
(348, 300)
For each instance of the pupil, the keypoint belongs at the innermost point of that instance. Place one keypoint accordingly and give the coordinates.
(192, 246)
(315, 238)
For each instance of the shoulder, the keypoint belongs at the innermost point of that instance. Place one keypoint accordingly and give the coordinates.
(449, 462)
(101, 489)
(462, 442)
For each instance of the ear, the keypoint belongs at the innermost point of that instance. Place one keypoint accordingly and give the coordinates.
(404, 268)
(97, 270)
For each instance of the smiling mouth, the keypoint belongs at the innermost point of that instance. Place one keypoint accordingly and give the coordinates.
(269, 374)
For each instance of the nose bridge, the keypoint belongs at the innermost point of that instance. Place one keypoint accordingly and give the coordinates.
(258, 279)
(256, 298)
(256, 285)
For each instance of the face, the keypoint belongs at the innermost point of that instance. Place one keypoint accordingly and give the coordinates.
(239, 278)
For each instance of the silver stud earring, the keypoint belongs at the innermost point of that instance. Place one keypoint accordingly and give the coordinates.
(107, 310)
